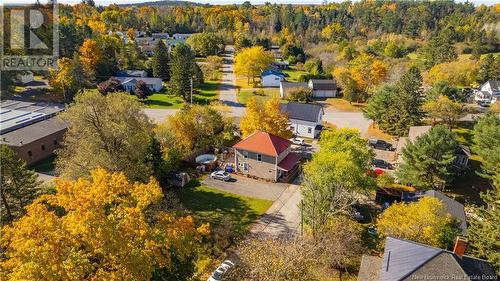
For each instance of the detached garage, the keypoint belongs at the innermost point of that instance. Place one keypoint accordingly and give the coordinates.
(323, 88)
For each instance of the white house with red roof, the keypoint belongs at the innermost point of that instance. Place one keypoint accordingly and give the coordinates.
(266, 156)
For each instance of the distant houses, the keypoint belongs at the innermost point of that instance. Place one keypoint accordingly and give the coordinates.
(305, 119)
(148, 43)
(488, 93)
(25, 77)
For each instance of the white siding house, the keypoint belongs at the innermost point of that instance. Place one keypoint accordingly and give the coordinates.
(305, 119)
(271, 78)
(128, 83)
(323, 88)
(489, 92)
(25, 77)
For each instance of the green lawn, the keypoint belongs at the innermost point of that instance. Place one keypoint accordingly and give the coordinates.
(292, 74)
(204, 95)
(246, 94)
(211, 205)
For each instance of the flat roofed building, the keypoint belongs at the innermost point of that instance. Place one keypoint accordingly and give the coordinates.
(31, 129)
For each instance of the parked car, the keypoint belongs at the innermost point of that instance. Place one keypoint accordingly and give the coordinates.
(219, 272)
(379, 163)
(297, 141)
(380, 144)
(220, 175)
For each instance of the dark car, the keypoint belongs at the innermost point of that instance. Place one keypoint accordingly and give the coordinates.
(379, 163)
(380, 144)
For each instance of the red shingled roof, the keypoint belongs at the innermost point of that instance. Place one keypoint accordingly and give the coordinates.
(264, 143)
(289, 162)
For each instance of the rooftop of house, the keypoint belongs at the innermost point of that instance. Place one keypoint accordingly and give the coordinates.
(302, 111)
(403, 259)
(17, 114)
(33, 132)
(264, 143)
(131, 73)
(453, 207)
(293, 85)
(494, 85)
(272, 72)
(323, 84)
(147, 80)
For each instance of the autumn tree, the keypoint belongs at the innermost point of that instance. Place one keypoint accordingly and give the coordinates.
(109, 131)
(19, 185)
(486, 144)
(141, 90)
(425, 221)
(99, 228)
(90, 56)
(195, 127)
(489, 69)
(69, 79)
(427, 162)
(443, 109)
(461, 73)
(335, 176)
(212, 66)
(160, 62)
(266, 117)
(439, 49)
(250, 62)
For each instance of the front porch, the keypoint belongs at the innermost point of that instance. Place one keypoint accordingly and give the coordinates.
(289, 167)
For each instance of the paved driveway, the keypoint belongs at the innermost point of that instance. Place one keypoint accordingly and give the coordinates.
(283, 217)
(347, 120)
(249, 187)
(159, 115)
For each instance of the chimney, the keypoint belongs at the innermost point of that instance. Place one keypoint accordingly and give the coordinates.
(460, 246)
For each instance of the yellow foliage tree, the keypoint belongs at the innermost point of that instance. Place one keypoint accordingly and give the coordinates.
(425, 221)
(102, 229)
(267, 118)
(456, 73)
(250, 62)
(443, 109)
(90, 55)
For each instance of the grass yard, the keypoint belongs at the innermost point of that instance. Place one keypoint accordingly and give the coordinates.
(344, 105)
(163, 100)
(292, 74)
(211, 205)
(246, 94)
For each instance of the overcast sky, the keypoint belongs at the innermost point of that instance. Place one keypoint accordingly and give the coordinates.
(106, 2)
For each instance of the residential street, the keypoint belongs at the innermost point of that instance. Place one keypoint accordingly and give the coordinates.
(227, 89)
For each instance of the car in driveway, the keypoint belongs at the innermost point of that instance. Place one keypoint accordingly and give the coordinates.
(298, 141)
(221, 270)
(221, 175)
(380, 144)
(379, 163)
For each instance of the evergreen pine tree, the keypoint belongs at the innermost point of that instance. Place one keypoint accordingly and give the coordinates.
(160, 62)
(19, 185)
(181, 71)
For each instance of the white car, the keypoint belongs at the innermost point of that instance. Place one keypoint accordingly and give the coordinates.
(220, 175)
(223, 268)
(297, 141)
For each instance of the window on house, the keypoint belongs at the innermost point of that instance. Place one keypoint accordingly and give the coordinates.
(30, 153)
(245, 154)
(292, 128)
(55, 142)
(43, 147)
(309, 130)
(259, 157)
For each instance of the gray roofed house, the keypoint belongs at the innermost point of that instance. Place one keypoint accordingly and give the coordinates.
(323, 88)
(454, 208)
(128, 83)
(132, 73)
(306, 119)
(408, 260)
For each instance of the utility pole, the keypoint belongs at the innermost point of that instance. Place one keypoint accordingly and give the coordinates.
(191, 90)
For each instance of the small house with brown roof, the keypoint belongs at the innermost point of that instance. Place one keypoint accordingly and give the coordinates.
(266, 156)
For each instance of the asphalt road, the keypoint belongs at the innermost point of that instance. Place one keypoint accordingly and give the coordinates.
(227, 88)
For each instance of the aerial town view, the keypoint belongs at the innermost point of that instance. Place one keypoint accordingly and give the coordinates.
(215, 140)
